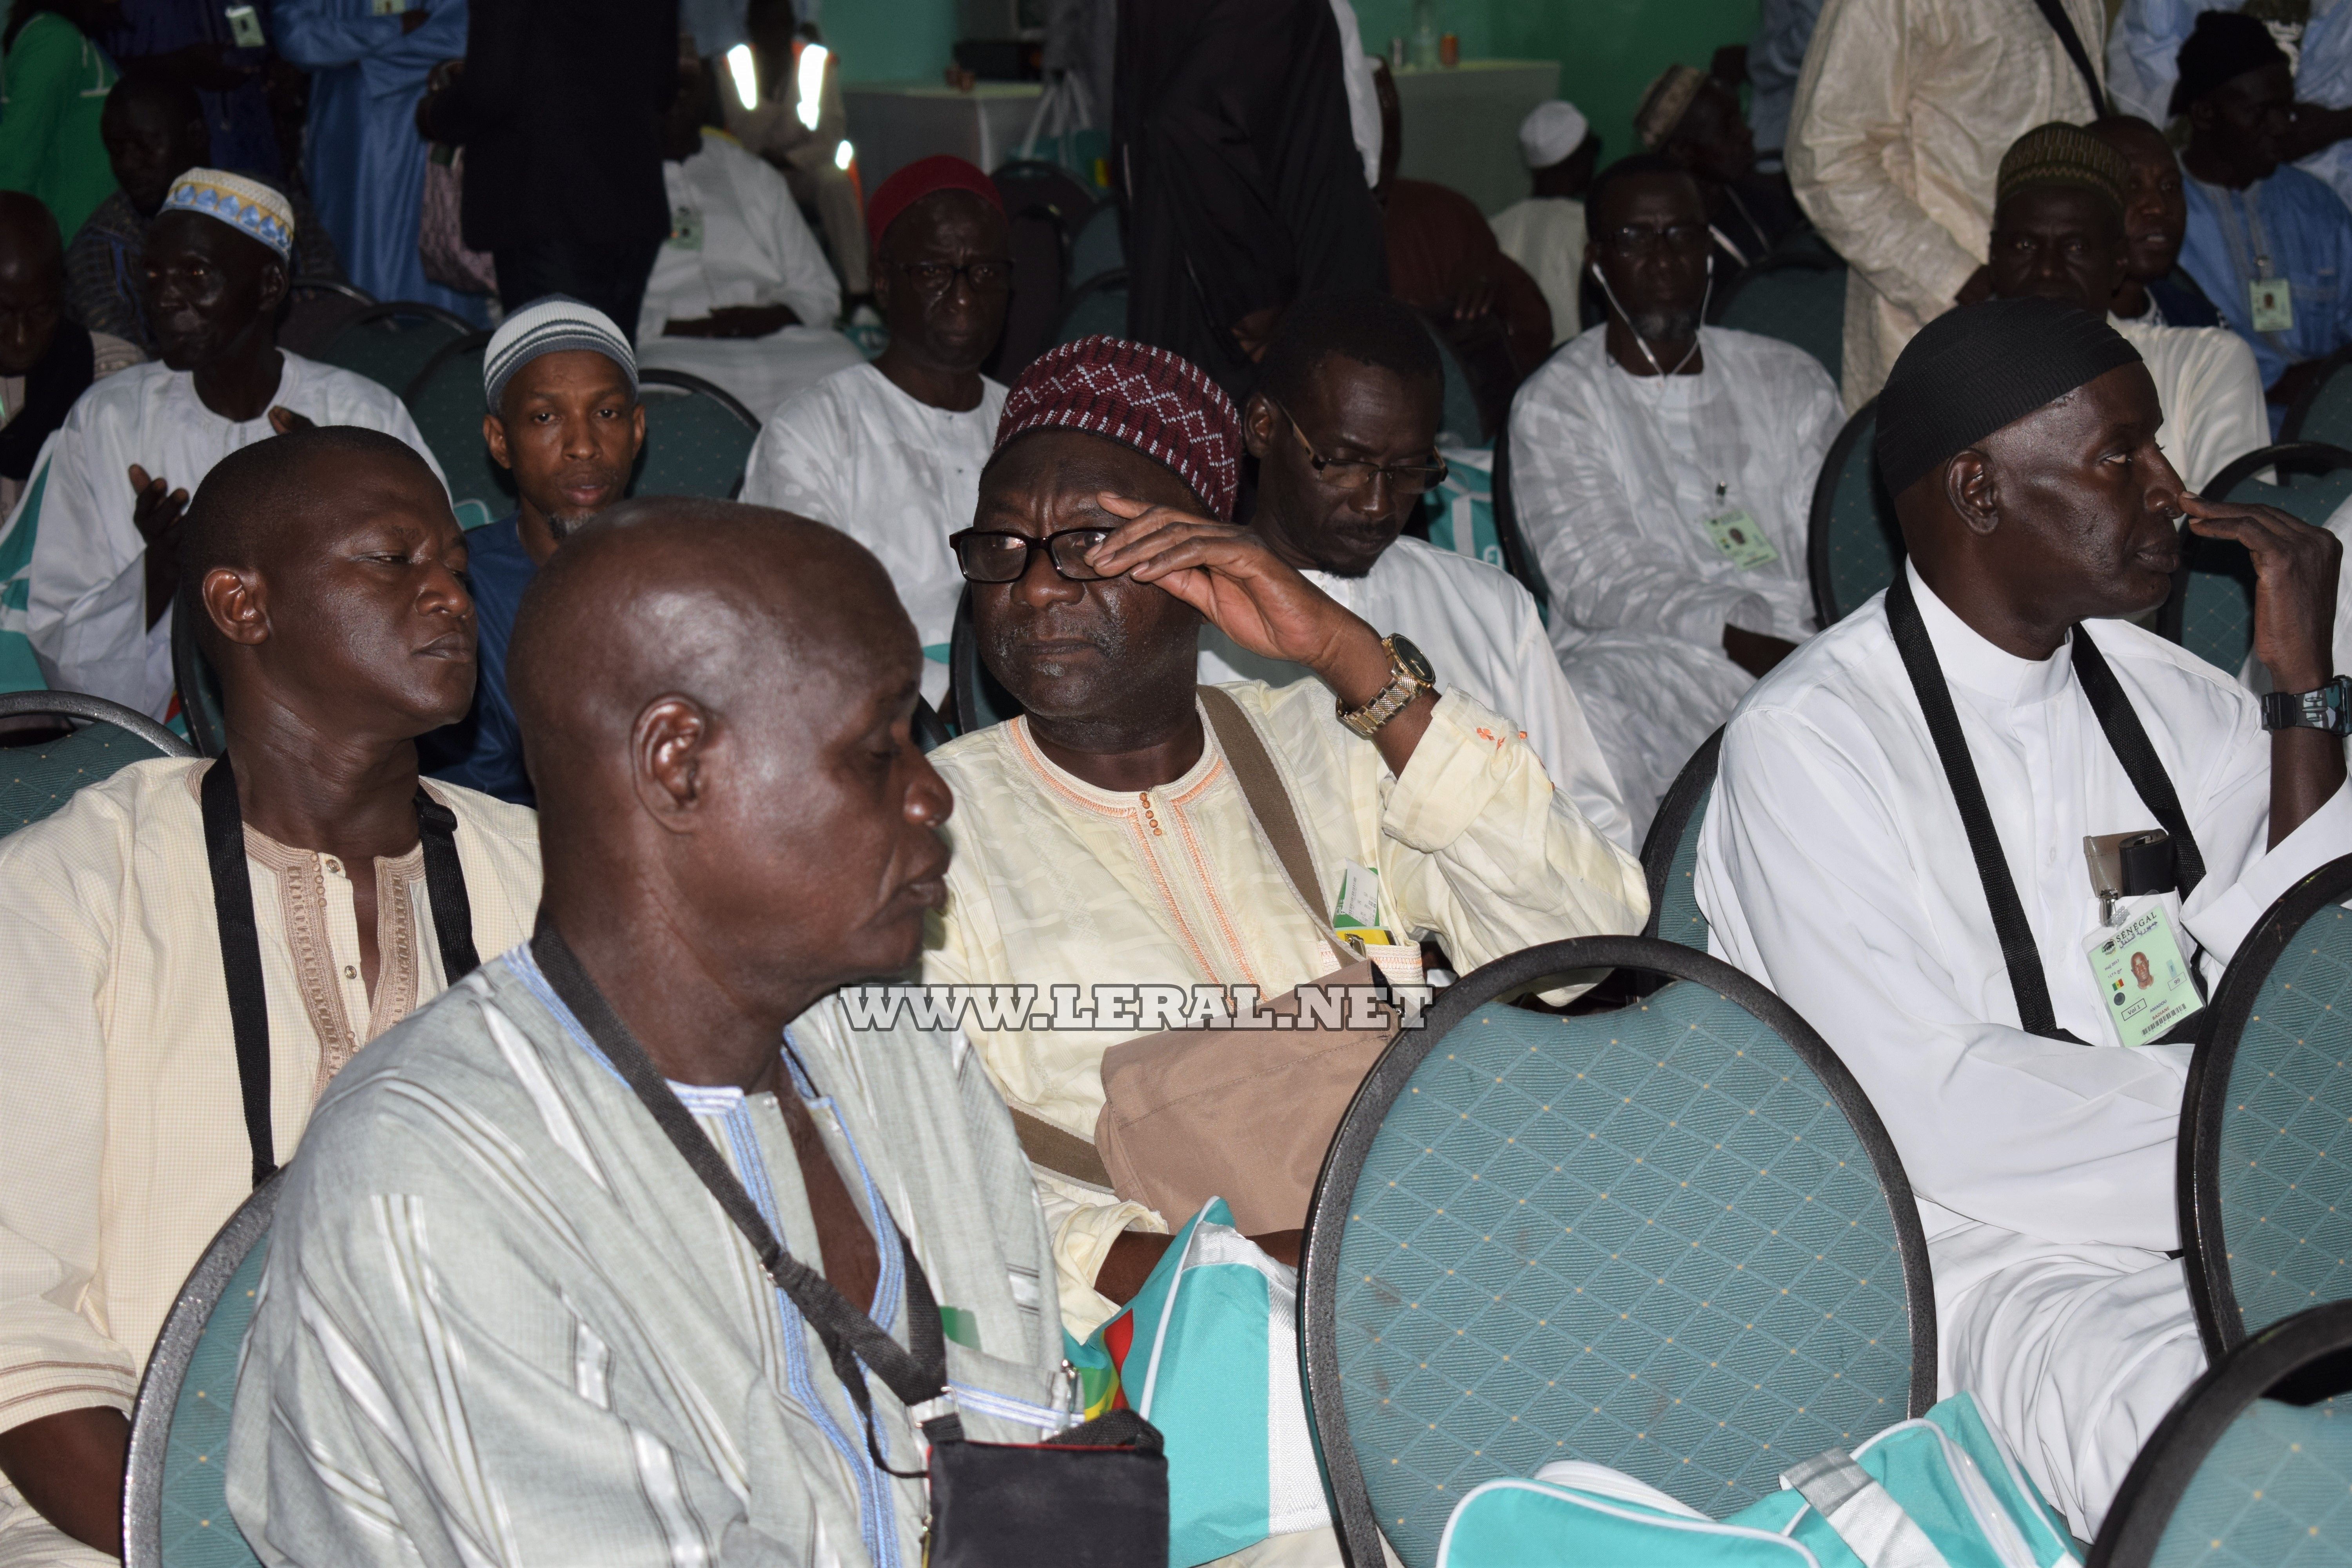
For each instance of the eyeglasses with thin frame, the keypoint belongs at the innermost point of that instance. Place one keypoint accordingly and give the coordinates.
(987, 555)
(1637, 239)
(986, 274)
(1348, 473)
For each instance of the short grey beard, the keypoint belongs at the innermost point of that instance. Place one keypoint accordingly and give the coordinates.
(1659, 327)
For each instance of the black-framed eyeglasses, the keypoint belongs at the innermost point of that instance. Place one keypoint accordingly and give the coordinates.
(1636, 239)
(985, 556)
(1352, 474)
(986, 274)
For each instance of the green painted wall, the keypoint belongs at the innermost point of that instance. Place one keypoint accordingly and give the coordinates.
(1608, 50)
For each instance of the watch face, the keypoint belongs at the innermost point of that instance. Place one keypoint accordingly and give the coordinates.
(1416, 663)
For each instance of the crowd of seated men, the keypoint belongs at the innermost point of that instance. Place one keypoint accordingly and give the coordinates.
(514, 931)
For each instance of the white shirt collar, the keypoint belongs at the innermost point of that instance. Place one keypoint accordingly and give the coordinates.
(1969, 660)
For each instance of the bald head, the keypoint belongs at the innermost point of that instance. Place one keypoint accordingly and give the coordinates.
(31, 282)
(716, 704)
(29, 246)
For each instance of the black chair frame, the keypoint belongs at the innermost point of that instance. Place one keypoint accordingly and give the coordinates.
(332, 286)
(2288, 456)
(1817, 525)
(2205, 1102)
(1343, 1162)
(1665, 836)
(167, 1368)
(1518, 559)
(2301, 1360)
(1774, 261)
(384, 311)
(686, 381)
(93, 709)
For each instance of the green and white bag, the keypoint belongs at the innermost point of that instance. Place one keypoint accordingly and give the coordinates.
(1938, 1492)
(1462, 508)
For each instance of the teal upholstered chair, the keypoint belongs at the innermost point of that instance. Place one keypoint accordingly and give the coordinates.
(175, 1502)
(1670, 854)
(390, 344)
(2324, 412)
(37, 780)
(2253, 1468)
(1096, 305)
(1798, 297)
(975, 698)
(446, 400)
(1671, 1239)
(1098, 248)
(2212, 610)
(2266, 1121)
(698, 437)
(1853, 546)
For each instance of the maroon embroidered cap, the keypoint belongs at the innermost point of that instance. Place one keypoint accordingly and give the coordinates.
(1159, 403)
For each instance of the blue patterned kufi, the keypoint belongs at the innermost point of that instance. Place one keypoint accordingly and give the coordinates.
(551, 324)
(248, 207)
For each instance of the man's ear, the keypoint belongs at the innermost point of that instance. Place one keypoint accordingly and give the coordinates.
(636, 429)
(666, 758)
(1970, 490)
(275, 286)
(494, 437)
(1258, 424)
(238, 600)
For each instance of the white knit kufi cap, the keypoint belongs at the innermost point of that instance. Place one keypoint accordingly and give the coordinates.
(552, 325)
(248, 207)
(1550, 133)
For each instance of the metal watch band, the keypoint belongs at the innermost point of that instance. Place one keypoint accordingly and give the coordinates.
(1393, 700)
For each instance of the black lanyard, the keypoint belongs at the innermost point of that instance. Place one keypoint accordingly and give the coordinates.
(918, 1371)
(240, 938)
(2125, 736)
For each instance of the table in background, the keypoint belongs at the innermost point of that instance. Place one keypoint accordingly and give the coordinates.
(892, 123)
(1462, 125)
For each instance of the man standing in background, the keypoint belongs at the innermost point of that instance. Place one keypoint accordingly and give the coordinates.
(366, 162)
(1545, 233)
(1901, 119)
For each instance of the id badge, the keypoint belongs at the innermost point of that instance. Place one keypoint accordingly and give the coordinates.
(685, 229)
(244, 26)
(1357, 906)
(1739, 541)
(2139, 969)
(2273, 301)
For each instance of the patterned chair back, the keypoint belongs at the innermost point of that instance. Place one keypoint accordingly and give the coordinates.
(390, 344)
(37, 780)
(2266, 1121)
(974, 696)
(1670, 854)
(1098, 304)
(2252, 1467)
(174, 1490)
(698, 437)
(1799, 299)
(446, 400)
(2324, 413)
(2212, 610)
(1098, 248)
(1673, 1238)
(1853, 547)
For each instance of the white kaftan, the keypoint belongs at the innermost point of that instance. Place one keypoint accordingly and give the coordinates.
(2210, 393)
(1902, 115)
(503, 1322)
(1834, 868)
(1546, 235)
(1615, 476)
(1055, 882)
(1480, 631)
(86, 612)
(895, 474)
(737, 237)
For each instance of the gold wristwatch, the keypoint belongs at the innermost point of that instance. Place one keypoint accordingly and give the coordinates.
(1409, 676)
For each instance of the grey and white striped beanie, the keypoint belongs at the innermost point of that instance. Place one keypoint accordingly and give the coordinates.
(546, 326)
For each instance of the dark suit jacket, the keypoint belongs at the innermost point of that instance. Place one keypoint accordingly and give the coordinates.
(559, 110)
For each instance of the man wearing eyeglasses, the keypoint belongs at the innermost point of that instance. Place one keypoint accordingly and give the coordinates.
(891, 452)
(1664, 474)
(1344, 427)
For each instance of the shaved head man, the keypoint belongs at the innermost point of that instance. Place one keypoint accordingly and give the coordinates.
(1996, 708)
(330, 577)
(717, 703)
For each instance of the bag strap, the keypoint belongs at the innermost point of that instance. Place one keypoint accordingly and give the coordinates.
(1064, 1154)
(2128, 740)
(2054, 12)
(240, 941)
(918, 1371)
(1268, 800)
(240, 935)
(2026, 981)
(1863, 1514)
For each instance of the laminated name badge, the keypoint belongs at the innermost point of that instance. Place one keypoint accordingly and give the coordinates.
(1740, 542)
(2273, 301)
(684, 229)
(2137, 965)
(245, 26)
